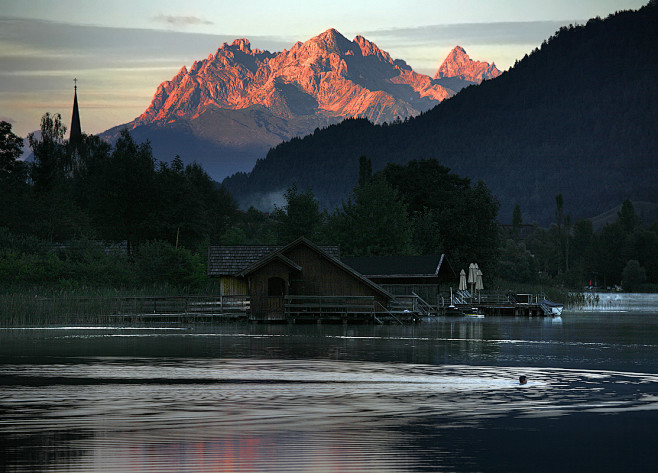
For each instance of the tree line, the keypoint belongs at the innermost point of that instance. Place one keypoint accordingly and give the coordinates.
(56, 209)
(623, 253)
(93, 214)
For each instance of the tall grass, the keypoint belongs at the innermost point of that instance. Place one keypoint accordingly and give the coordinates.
(44, 306)
(84, 281)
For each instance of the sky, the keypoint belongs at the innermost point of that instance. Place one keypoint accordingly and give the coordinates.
(121, 50)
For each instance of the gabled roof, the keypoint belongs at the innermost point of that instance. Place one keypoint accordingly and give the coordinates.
(274, 256)
(424, 266)
(326, 252)
(336, 261)
(231, 260)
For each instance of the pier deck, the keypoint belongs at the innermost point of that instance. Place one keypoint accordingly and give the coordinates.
(498, 303)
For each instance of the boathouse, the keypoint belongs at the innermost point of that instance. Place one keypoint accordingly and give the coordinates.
(299, 281)
(423, 276)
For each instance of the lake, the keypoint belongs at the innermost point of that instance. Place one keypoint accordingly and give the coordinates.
(438, 396)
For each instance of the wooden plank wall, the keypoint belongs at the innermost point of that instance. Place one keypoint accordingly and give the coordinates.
(233, 286)
(322, 277)
(260, 302)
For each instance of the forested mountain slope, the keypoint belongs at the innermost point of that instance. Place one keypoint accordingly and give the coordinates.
(576, 117)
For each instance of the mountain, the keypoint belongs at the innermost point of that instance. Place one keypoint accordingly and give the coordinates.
(647, 212)
(575, 117)
(459, 65)
(227, 110)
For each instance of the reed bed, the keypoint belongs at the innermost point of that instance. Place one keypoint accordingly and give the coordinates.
(43, 307)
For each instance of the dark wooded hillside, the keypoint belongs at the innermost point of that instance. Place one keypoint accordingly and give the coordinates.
(576, 117)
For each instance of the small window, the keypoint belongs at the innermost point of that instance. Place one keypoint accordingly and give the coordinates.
(276, 287)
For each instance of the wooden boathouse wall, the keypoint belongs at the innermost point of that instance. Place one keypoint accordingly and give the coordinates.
(267, 287)
(320, 275)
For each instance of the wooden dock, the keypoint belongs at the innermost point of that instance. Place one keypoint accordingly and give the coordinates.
(344, 309)
(498, 304)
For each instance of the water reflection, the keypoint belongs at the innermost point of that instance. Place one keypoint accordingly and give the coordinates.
(438, 397)
(241, 414)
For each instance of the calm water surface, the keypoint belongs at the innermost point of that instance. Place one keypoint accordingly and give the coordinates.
(439, 396)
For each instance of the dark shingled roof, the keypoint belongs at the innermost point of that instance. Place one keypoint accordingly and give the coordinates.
(398, 266)
(231, 260)
(274, 256)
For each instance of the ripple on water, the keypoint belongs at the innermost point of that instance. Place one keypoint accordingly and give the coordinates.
(293, 415)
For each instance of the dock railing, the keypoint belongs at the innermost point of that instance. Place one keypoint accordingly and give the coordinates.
(490, 297)
(199, 306)
(413, 303)
(424, 308)
(135, 309)
(297, 306)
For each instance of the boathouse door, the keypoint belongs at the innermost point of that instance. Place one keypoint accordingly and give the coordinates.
(276, 290)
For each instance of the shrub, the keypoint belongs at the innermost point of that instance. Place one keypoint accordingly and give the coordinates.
(158, 262)
(633, 276)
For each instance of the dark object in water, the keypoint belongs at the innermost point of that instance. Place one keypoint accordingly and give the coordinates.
(523, 379)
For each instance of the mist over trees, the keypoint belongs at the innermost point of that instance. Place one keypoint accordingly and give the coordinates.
(575, 117)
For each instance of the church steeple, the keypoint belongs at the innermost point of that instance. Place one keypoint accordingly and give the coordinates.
(76, 131)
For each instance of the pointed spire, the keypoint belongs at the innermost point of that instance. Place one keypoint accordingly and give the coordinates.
(76, 131)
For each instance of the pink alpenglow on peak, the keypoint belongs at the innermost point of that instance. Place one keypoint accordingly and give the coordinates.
(327, 77)
(459, 65)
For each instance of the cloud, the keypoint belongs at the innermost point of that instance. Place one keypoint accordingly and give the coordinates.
(119, 68)
(520, 32)
(38, 39)
(181, 20)
(425, 47)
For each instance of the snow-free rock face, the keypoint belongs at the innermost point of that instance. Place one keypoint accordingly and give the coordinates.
(328, 75)
(228, 109)
(459, 65)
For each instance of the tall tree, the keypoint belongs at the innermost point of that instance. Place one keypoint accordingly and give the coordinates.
(51, 163)
(218, 206)
(582, 249)
(11, 148)
(627, 217)
(57, 215)
(517, 221)
(365, 170)
(124, 201)
(563, 232)
(300, 216)
(375, 222)
(15, 202)
(448, 213)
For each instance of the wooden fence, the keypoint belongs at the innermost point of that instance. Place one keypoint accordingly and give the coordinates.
(104, 309)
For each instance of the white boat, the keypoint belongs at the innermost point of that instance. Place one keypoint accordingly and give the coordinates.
(553, 308)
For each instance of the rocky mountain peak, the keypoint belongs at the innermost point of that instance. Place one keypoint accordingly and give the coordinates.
(331, 41)
(327, 77)
(369, 48)
(459, 64)
(242, 44)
